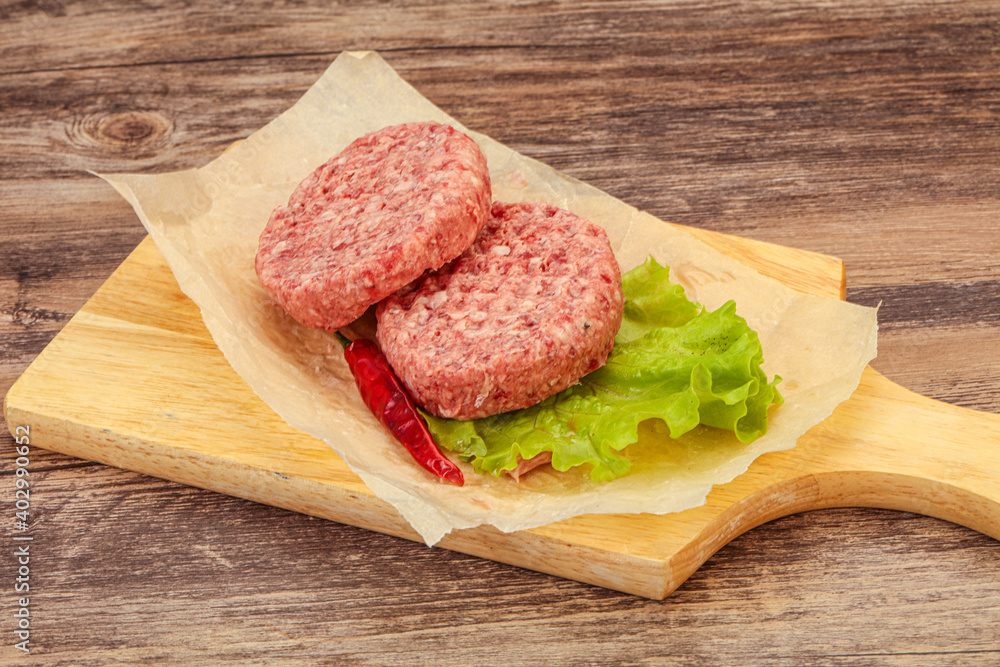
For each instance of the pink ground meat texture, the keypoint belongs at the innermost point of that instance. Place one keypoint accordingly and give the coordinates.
(531, 307)
(392, 205)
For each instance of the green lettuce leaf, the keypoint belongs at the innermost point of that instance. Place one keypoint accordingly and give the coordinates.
(672, 360)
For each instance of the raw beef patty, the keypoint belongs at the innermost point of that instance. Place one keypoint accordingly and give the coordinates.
(532, 306)
(392, 205)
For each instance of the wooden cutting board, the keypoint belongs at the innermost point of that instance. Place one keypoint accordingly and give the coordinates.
(134, 380)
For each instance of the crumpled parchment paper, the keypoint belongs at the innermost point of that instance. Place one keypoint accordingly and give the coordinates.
(206, 223)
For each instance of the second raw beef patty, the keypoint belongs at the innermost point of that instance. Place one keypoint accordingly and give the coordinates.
(525, 312)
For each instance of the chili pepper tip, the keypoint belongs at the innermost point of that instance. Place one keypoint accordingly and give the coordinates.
(454, 475)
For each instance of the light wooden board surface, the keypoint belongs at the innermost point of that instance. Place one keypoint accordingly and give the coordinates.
(135, 381)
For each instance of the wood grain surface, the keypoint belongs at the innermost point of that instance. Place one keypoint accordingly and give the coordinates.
(867, 131)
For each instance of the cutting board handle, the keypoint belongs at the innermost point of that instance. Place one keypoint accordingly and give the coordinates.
(892, 448)
(937, 459)
(885, 447)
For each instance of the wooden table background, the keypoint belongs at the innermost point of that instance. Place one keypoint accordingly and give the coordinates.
(865, 130)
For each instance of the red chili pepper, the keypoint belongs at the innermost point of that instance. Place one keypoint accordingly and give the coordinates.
(388, 400)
